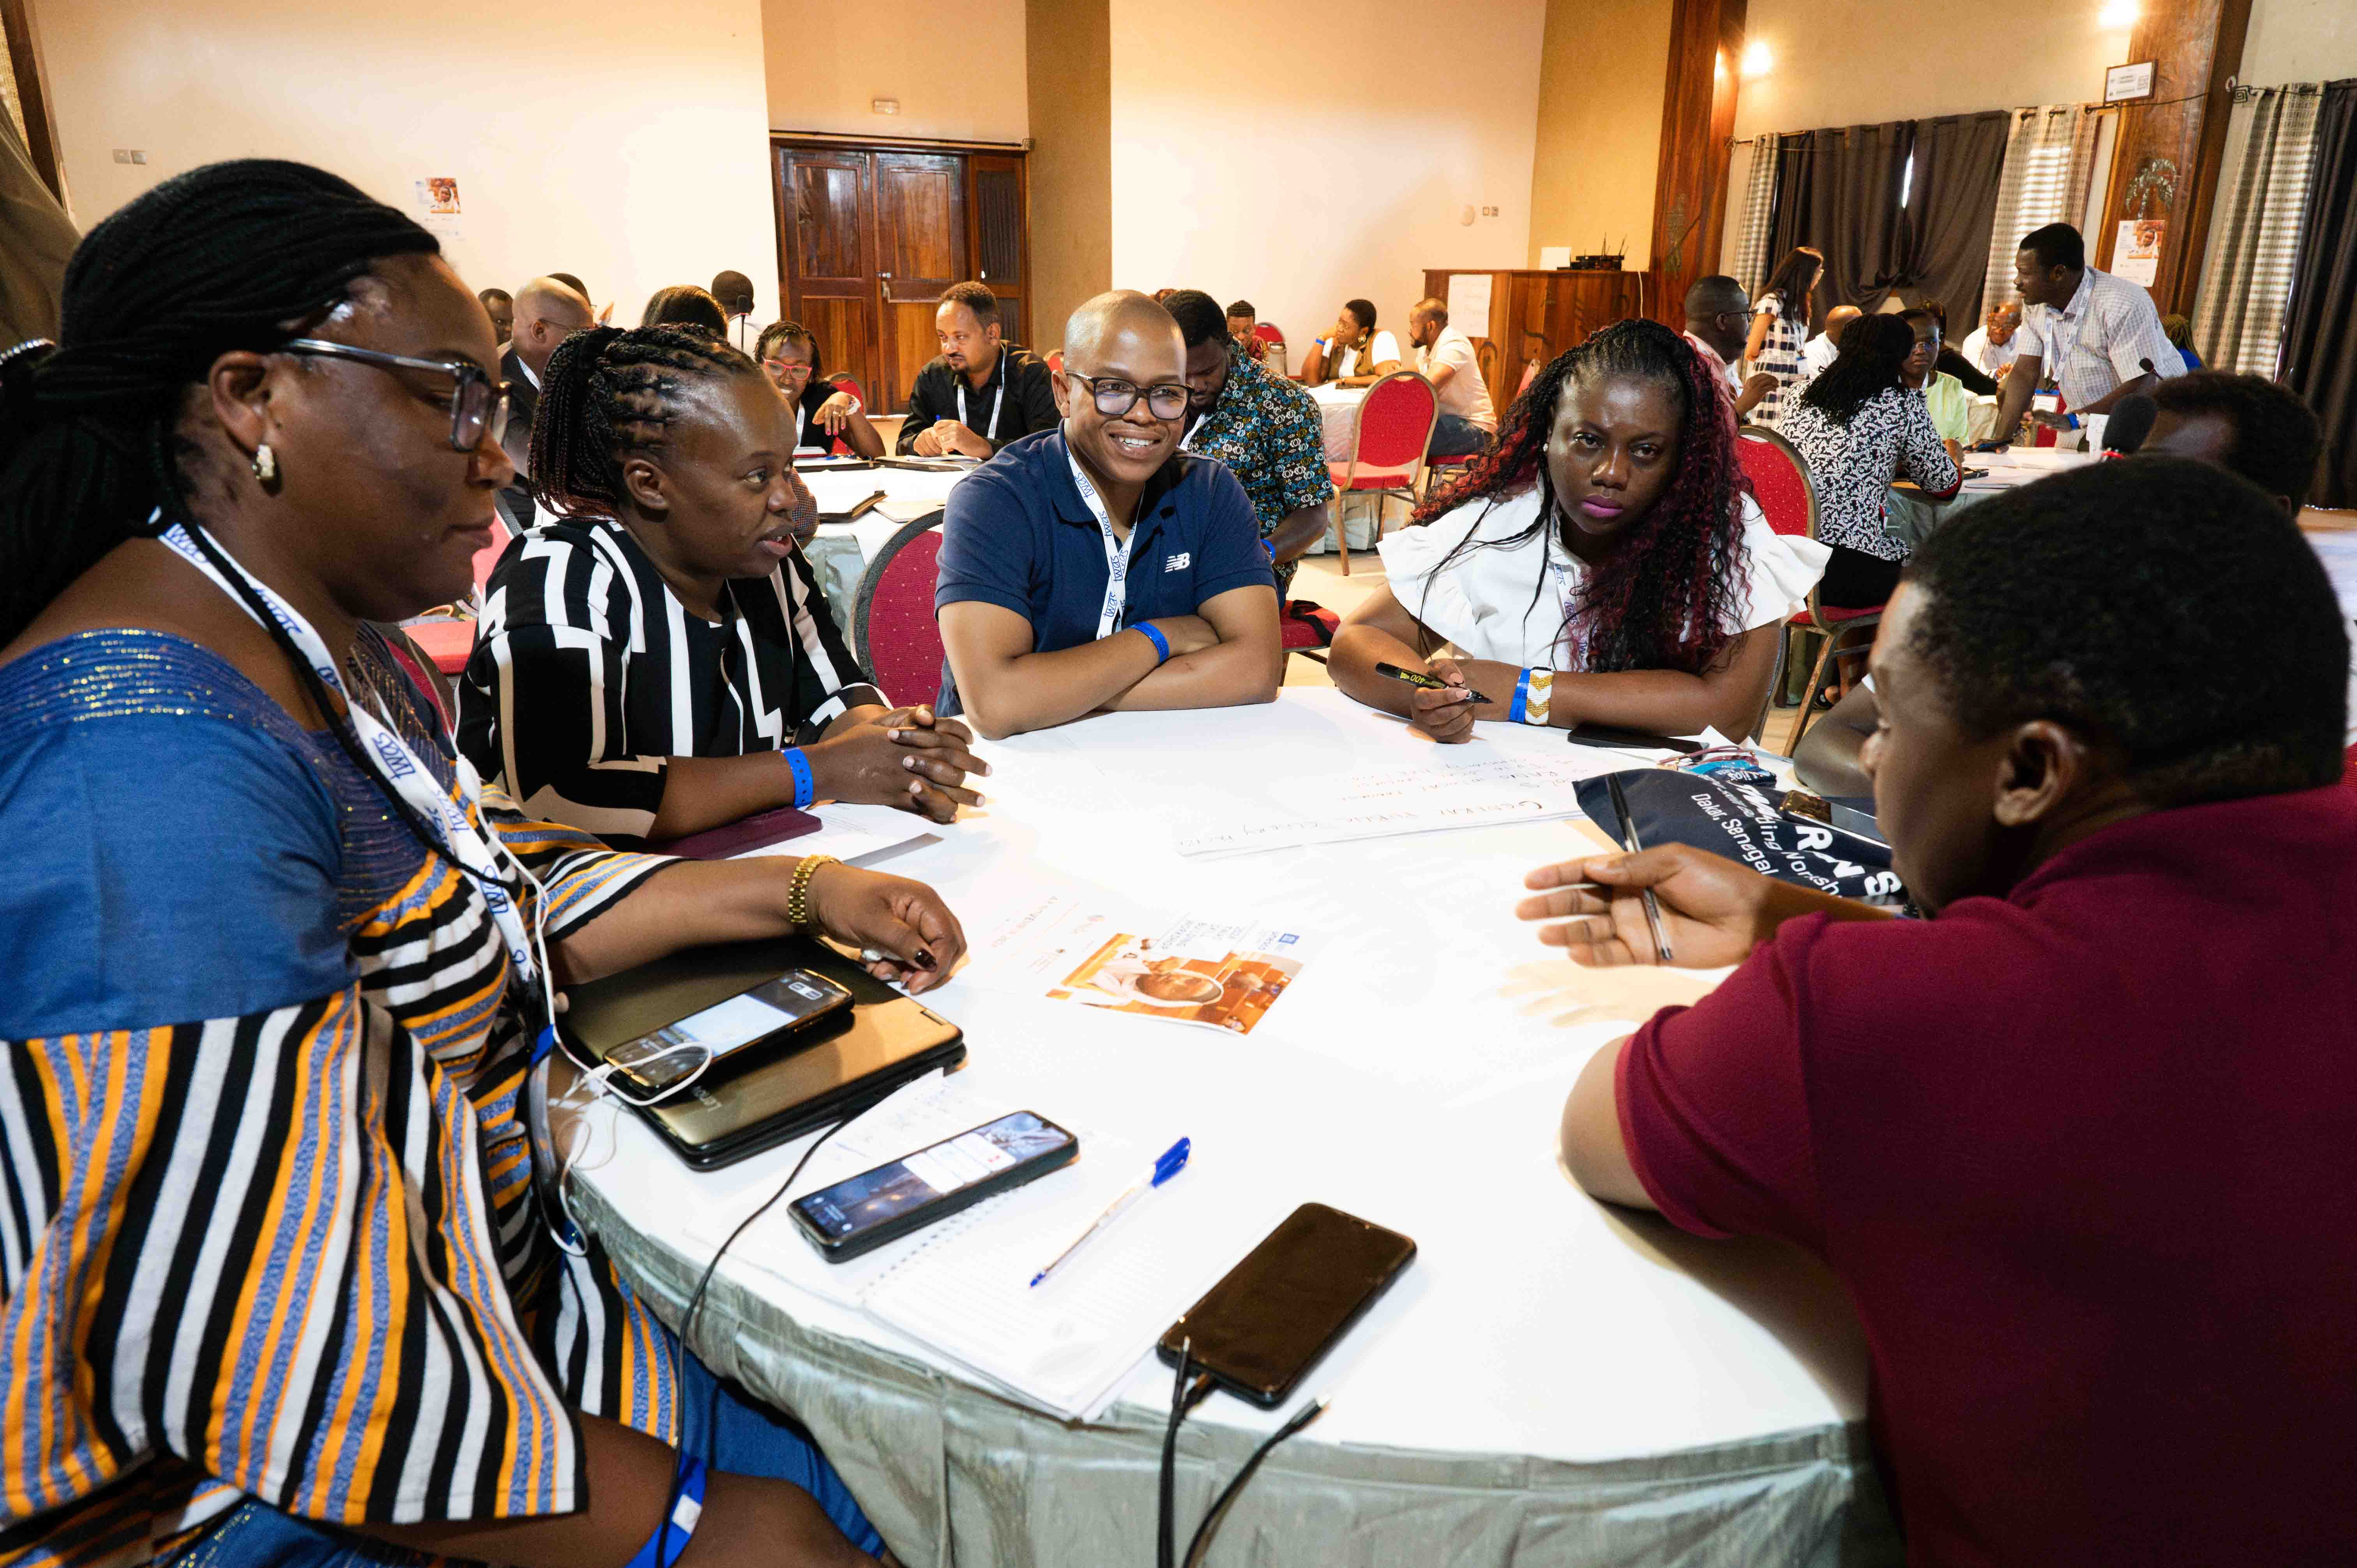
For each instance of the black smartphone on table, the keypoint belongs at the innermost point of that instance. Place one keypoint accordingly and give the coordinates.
(1260, 1330)
(1618, 739)
(860, 1213)
(767, 1013)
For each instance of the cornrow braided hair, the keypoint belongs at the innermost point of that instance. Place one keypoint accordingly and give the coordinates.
(779, 332)
(609, 393)
(240, 255)
(1663, 597)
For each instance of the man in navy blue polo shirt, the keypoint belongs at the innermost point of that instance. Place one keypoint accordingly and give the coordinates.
(1096, 565)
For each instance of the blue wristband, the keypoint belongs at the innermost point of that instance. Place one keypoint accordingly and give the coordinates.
(805, 787)
(1522, 698)
(671, 1536)
(1270, 546)
(1161, 643)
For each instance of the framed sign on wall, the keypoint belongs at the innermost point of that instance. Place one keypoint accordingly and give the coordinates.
(2126, 83)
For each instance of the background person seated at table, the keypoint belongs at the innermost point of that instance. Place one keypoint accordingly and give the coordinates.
(980, 392)
(2086, 330)
(661, 661)
(2179, 330)
(1858, 428)
(1244, 329)
(1604, 563)
(733, 290)
(1267, 432)
(1951, 363)
(1467, 422)
(547, 311)
(500, 306)
(1990, 346)
(268, 1045)
(685, 305)
(1819, 351)
(1780, 324)
(1035, 631)
(2246, 424)
(1716, 313)
(787, 351)
(2078, 1144)
(1354, 354)
(1944, 396)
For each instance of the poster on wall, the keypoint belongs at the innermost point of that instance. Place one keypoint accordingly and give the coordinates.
(2135, 254)
(1468, 302)
(437, 206)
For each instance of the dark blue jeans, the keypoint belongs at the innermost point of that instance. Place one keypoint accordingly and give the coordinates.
(1456, 436)
(717, 1426)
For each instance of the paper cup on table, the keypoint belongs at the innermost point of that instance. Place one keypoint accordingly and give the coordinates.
(2094, 424)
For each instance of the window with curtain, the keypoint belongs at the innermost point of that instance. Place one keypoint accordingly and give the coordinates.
(2050, 157)
(2319, 335)
(2254, 229)
(1899, 208)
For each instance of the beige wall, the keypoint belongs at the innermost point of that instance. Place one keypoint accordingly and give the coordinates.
(1258, 181)
(1071, 159)
(1857, 62)
(2299, 40)
(958, 77)
(1603, 70)
(543, 112)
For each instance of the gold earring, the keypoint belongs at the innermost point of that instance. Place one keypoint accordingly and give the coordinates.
(265, 464)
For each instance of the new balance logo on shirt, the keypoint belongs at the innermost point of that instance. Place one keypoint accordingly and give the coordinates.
(1179, 562)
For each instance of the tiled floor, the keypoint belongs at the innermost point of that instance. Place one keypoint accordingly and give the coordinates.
(1320, 579)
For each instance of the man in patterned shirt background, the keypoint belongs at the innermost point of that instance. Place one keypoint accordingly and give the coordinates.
(1266, 430)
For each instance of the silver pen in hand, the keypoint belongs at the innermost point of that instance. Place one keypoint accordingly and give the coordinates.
(1628, 840)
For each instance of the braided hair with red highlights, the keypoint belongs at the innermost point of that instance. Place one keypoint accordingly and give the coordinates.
(1672, 585)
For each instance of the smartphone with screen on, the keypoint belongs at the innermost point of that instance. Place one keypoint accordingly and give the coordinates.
(859, 1214)
(770, 1011)
(1276, 1313)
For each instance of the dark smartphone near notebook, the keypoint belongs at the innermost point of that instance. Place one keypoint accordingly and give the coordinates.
(759, 1019)
(1261, 1330)
(859, 1214)
(1618, 739)
(819, 1070)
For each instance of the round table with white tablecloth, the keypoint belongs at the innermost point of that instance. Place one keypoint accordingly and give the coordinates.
(1554, 1380)
(1909, 516)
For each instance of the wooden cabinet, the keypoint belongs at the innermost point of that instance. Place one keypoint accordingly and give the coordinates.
(1534, 316)
(868, 236)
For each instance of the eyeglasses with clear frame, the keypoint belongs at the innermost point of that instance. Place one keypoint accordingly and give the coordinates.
(1114, 399)
(478, 404)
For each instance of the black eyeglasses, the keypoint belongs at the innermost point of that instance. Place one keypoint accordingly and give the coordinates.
(1114, 399)
(478, 405)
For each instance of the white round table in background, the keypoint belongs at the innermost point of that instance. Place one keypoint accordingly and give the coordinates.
(1554, 1380)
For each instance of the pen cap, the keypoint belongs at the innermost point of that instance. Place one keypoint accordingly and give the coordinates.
(1173, 1161)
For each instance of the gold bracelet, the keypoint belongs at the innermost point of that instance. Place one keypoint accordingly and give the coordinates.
(798, 909)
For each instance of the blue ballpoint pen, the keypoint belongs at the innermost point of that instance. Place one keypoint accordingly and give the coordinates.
(1173, 1161)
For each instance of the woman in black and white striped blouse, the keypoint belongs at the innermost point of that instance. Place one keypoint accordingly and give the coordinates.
(661, 661)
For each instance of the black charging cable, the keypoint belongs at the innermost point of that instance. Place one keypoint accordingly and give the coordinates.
(1202, 1538)
(1184, 1398)
(687, 1328)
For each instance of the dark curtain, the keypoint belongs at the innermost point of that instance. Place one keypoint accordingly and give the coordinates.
(2321, 330)
(1857, 217)
(1796, 166)
(1951, 209)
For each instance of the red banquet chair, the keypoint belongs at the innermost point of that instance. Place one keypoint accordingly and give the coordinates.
(1779, 478)
(1387, 448)
(450, 642)
(892, 628)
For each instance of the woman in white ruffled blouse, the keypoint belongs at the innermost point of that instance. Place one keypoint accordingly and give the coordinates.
(1604, 564)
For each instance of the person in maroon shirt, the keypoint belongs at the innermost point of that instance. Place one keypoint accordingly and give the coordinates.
(2079, 1143)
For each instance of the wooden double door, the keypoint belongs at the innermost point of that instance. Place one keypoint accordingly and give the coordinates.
(868, 237)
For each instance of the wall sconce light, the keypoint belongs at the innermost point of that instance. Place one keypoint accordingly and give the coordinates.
(2117, 14)
(1757, 59)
